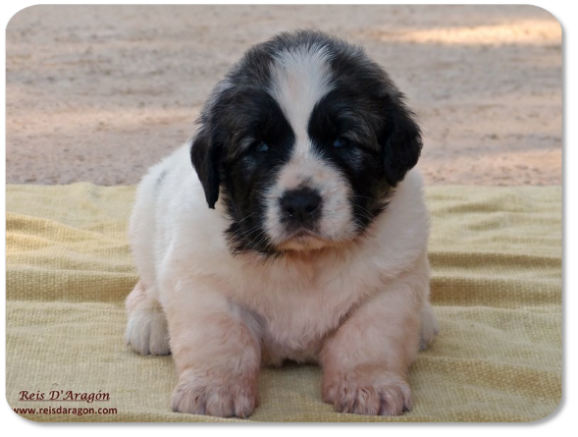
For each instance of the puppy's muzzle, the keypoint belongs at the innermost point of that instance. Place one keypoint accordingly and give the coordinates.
(301, 207)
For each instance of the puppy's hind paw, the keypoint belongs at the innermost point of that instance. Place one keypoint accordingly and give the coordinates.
(147, 333)
(429, 327)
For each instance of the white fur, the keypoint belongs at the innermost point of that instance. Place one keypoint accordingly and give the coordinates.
(336, 222)
(146, 331)
(357, 308)
(301, 79)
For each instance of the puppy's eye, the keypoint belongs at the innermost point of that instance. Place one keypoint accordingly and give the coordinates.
(340, 143)
(261, 147)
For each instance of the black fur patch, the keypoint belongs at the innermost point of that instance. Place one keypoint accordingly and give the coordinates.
(247, 172)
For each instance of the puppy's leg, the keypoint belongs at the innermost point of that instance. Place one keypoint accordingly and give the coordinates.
(146, 331)
(429, 326)
(215, 346)
(366, 361)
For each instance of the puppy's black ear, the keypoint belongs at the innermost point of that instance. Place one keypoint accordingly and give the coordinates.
(206, 158)
(400, 140)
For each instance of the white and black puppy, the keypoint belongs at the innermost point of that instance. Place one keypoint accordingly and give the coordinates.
(313, 246)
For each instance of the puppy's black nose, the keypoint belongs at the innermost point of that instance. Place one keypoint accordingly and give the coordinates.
(301, 205)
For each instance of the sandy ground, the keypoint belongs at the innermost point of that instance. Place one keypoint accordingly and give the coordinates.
(99, 93)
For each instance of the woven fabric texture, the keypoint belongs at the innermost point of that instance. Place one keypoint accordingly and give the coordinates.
(496, 255)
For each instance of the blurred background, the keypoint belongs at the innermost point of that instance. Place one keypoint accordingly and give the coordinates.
(99, 93)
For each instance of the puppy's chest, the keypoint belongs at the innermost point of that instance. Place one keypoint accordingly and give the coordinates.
(298, 308)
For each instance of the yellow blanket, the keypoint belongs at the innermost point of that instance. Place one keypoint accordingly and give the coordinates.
(496, 288)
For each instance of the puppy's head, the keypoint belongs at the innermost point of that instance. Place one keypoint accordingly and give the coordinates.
(304, 141)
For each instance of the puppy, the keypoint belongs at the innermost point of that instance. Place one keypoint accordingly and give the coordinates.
(302, 235)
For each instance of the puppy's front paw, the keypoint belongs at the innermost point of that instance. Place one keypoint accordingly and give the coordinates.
(215, 394)
(369, 393)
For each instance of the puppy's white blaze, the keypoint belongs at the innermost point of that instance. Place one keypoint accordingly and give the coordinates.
(300, 78)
